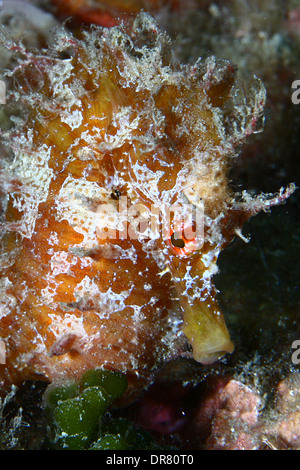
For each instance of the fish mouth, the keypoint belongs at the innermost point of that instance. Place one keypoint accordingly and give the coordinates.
(204, 327)
(209, 357)
(203, 322)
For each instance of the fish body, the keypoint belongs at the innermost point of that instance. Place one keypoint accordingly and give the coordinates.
(116, 205)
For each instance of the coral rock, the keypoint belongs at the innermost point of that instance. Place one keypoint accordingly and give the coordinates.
(233, 426)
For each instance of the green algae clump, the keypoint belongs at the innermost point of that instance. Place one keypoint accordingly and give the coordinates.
(75, 409)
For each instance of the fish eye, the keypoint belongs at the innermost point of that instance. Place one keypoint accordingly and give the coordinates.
(177, 240)
(115, 194)
(180, 245)
(184, 240)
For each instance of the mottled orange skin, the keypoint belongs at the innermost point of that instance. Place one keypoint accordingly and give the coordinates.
(30, 317)
(147, 130)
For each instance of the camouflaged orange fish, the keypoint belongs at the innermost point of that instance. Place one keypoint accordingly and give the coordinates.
(116, 204)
